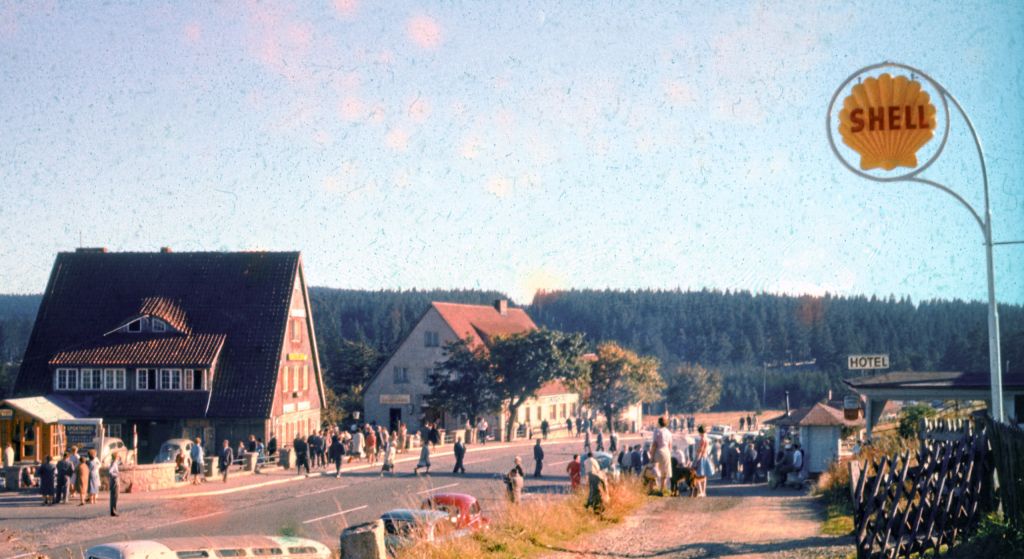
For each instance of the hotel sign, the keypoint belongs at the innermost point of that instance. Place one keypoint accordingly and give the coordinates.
(395, 399)
(881, 361)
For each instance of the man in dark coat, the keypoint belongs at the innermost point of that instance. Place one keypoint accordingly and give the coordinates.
(336, 452)
(434, 435)
(314, 449)
(64, 472)
(301, 454)
(460, 453)
(538, 458)
(227, 456)
(272, 445)
(544, 428)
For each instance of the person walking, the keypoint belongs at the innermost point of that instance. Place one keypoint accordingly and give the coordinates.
(355, 450)
(460, 453)
(82, 480)
(613, 441)
(600, 441)
(64, 473)
(227, 456)
(483, 426)
(75, 459)
(272, 446)
(115, 484)
(538, 459)
(661, 455)
(388, 463)
(371, 446)
(597, 483)
(47, 473)
(301, 448)
(94, 476)
(198, 461)
(261, 454)
(336, 452)
(743, 422)
(586, 442)
(434, 435)
(579, 426)
(544, 428)
(573, 469)
(568, 426)
(424, 459)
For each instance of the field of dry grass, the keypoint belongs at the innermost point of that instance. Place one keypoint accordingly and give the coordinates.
(534, 525)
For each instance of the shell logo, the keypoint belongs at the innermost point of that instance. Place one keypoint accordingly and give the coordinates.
(887, 120)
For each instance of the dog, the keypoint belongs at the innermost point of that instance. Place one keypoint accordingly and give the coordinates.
(682, 473)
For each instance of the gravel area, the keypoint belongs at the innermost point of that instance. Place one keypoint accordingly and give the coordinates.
(734, 521)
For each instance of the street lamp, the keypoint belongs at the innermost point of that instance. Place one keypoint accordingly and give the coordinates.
(985, 223)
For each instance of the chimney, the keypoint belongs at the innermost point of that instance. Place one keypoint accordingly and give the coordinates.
(501, 305)
(165, 250)
(101, 250)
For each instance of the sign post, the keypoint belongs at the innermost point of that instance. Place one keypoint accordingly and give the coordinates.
(887, 120)
(855, 362)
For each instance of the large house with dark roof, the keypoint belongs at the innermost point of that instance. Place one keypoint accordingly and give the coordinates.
(216, 345)
(398, 390)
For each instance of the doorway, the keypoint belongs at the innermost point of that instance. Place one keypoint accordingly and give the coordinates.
(395, 416)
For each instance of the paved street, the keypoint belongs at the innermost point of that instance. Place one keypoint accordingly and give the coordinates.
(318, 507)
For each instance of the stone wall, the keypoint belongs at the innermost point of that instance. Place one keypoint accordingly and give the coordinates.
(147, 477)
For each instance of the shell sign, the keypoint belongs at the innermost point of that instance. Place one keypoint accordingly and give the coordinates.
(887, 120)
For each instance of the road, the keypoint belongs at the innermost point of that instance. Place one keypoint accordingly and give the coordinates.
(319, 507)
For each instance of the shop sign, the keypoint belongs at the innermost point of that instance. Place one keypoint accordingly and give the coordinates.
(887, 120)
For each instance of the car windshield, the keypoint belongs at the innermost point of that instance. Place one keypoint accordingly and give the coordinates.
(168, 452)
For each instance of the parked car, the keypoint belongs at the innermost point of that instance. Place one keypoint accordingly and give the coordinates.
(196, 547)
(719, 432)
(169, 450)
(106, 447)
(463, 510)
(608, 465)
(406, 527)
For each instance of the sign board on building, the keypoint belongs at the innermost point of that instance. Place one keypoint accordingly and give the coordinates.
(396, 399)
(296, 356)
(880, 361)
(82, 432)
(6, 414)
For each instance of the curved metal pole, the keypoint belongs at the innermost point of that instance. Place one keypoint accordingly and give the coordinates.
(950, 191)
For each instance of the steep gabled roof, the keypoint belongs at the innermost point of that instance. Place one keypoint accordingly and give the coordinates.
(199, 350)
(242, 296)
(483, 322)
(818, 415)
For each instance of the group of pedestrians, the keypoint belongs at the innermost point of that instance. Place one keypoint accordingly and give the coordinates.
(61, 480)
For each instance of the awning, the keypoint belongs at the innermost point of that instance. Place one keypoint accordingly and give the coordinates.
(47, 409)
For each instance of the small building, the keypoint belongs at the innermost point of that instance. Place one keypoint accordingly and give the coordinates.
(196, 344)
(877, 390)
(397, 392)
(819, 429)
(32, 425)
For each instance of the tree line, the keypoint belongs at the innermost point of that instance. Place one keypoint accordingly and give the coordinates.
(754, 347)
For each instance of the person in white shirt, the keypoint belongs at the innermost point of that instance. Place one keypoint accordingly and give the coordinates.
(8, 456)
(661, 455)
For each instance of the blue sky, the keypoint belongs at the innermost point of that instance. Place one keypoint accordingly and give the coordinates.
(504, 145)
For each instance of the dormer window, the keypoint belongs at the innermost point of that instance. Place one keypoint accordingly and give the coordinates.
(158, 325)
(135, 327)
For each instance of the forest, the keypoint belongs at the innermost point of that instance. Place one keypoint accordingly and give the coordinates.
(763, 345)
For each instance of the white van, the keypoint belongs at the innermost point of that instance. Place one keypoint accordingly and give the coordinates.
(202, 547)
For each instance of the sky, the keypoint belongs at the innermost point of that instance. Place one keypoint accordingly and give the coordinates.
(505, 145)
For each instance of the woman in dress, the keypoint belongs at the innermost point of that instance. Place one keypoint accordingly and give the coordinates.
(704, 468)
(424, 459)
(82, 480)
(94, 475)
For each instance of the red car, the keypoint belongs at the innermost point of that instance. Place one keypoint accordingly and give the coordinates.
(463, 510)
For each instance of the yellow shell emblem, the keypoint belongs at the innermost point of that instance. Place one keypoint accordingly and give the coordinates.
(887, 120)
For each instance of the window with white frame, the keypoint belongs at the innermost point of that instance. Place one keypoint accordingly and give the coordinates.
(170, 379)
(113, 430)
(158, 325)
(188, 379)
(297, 330)
(90, 379)
(141, 379)
(401, 375)
(135, 327)
(113, 379)
(66, 379)
(305, 377)
(199, 379)
(285, 375)
(176, 379)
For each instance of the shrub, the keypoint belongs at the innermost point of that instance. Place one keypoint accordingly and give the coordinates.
(910, 419)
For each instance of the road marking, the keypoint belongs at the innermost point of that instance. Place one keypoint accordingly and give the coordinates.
(478, 461)
(183, 520)
(321, 491)
(432, 489)
(560, 463)
(319, 518)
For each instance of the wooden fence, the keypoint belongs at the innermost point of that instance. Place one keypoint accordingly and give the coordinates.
(1008, 458)
(914, 502)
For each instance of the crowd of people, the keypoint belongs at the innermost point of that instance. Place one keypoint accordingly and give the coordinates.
(72, 474)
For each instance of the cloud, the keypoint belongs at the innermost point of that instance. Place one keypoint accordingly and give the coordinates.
(470, 148)
(397, 139)
(352, 109)
(419, 110)
(537, 279)
(193, 32)
(280, 41)
(346, 9)
(424, 31)
(502, 186)
(680, 93)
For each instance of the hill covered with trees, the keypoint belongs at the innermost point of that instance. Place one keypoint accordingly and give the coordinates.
(761, 344)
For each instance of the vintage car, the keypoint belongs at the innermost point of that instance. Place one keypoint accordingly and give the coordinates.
(106, 447)
(463, 510)
(211, 546)
(608, 464)
(406, 527)
(169, 450)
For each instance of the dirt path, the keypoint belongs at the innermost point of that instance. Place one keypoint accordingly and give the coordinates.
(734, 521)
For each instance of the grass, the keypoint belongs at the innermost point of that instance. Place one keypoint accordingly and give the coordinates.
(535, 525)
